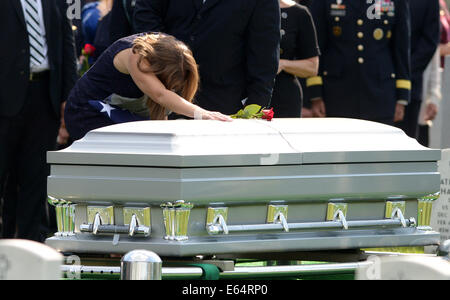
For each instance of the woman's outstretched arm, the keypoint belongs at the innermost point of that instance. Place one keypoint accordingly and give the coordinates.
(150, 85)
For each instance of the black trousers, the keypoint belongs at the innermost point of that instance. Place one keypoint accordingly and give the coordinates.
(410, 123)
(24, 142)
(424, 135)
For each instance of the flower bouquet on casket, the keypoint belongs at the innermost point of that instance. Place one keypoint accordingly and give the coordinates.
(254, 111)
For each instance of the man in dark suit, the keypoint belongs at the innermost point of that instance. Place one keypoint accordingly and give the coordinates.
(121, 14)
(38, 69)
(425, 33)
(235, 43)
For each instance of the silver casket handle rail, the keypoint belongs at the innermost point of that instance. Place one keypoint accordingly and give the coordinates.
(340, 222)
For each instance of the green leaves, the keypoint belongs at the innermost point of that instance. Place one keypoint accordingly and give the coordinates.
(252, 111)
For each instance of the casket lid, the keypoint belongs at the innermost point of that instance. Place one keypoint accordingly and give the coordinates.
(197, 143)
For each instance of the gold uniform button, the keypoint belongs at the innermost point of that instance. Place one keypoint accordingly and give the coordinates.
(378, 34)
(386, 22)
(361, 60)
(360, 35)
(389, 34)
(393, 75)
(337, 19)
(360, 22)
(360, 48)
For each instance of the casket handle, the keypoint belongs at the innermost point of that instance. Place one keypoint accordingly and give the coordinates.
(397, 214)
(221, 221)
(97, 223)
(281, 219)
(339, 216)
(219, 225)
(98, 228)
(133, 225)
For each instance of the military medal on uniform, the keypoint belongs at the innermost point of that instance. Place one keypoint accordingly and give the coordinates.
(338, 9)
(337, 31)
(386, 7)
(391, 9)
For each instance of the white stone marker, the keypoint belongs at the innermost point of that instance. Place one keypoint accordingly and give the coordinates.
(28, 260)
(405, 267)
(440, 131)
(440, 214)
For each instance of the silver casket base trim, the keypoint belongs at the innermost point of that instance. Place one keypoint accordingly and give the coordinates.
(309, 241)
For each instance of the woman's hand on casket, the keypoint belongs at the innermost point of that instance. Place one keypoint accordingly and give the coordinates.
(201, 114)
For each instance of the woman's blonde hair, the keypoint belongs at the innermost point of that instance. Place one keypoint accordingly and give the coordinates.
(172, 62)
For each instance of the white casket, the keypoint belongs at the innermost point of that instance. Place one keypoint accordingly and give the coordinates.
(185, 188)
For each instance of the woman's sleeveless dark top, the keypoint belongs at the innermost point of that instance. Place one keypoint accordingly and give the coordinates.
(99, 83)
(103, 79)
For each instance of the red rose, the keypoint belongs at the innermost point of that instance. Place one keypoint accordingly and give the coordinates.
(89, 49)
(267, 114)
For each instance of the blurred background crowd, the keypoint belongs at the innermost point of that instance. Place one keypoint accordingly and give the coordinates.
(335, 58)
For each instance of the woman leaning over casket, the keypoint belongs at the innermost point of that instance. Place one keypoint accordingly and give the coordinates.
(139, 77)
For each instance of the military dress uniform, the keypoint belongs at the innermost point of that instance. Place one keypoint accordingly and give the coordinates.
(365, 64)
